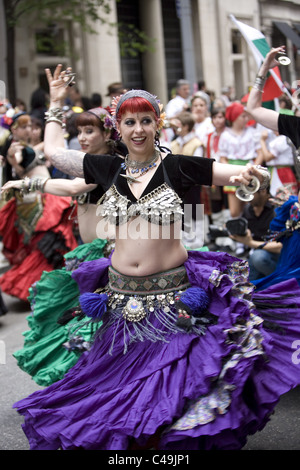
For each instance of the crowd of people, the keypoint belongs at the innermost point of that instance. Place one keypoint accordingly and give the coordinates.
(151, 340)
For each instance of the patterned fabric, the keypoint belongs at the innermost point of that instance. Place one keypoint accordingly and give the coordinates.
(28, 214)
(215, 388)
(155, 284)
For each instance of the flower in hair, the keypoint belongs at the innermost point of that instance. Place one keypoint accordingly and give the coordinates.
(114, 104)
(162, 118)
(107, 122)
(109, 126)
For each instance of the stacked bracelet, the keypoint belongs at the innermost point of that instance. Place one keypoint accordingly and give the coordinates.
(30, 185)
(54, 115)
(259, 83)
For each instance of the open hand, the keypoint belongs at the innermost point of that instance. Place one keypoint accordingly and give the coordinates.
(58, 83)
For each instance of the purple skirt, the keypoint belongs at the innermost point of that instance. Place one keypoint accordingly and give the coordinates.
(191, 390)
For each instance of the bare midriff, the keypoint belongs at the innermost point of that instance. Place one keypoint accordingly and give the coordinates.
(139, 252)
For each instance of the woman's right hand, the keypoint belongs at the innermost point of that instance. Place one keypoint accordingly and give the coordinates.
(57, 85)
(17, 184)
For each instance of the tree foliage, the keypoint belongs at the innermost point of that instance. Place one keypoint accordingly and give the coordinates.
(83, 12)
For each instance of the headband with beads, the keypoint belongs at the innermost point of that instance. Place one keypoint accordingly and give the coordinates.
(119, 100)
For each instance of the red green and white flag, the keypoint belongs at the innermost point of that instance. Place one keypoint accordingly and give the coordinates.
(257, 42)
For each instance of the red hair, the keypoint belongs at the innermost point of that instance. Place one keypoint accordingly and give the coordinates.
(22, 120)
(135, 105)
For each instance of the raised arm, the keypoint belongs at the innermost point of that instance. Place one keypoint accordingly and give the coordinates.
(68, 161)
(266, 117)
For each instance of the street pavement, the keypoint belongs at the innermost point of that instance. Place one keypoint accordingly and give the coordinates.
(281, 433)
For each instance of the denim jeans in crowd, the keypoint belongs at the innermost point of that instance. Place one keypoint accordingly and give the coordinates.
(261, 264)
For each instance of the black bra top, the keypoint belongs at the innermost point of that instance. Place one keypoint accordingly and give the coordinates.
(158, 204)
(161, 201)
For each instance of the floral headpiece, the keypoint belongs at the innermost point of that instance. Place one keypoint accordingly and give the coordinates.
(104, 117)
(10, 117)
(119, 100)
(106, 120)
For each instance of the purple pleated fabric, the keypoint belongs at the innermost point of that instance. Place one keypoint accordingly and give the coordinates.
(205, 391)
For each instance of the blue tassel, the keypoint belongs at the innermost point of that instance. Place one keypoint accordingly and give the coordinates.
(93, 305)
(194, 300)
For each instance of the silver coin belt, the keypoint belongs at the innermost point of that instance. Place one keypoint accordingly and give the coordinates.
(141, 295)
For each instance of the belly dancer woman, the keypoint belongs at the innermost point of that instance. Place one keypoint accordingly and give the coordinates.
(184, 359)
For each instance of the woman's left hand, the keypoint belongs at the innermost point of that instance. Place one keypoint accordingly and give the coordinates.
(246, 174)
(58, 83)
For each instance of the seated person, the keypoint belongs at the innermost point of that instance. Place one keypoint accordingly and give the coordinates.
(263, 257)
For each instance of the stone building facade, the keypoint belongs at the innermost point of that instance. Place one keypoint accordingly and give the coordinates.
(192, 39)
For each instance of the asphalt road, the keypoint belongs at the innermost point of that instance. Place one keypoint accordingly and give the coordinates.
(281, 433)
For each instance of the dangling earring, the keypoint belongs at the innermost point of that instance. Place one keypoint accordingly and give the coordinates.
(156, 139)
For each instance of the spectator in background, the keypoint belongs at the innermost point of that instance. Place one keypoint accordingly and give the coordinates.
(96, 100)
(78, 102)
(285, 229)
(37, 132)
(19, 135)
(187, 143)
(202, 86)
(181, 101)
(20, 105)
(113, 90)
(225, 95)
(38, 104)
(72, 132)
(278, 156)
(5, 121)
(285, 105)
(176, 105)
(200, 108)
(217, 198)
(263, 257)
(218, 121)
(237, 145)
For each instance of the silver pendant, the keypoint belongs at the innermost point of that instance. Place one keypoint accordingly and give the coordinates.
(134, 310)
(130, 179)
